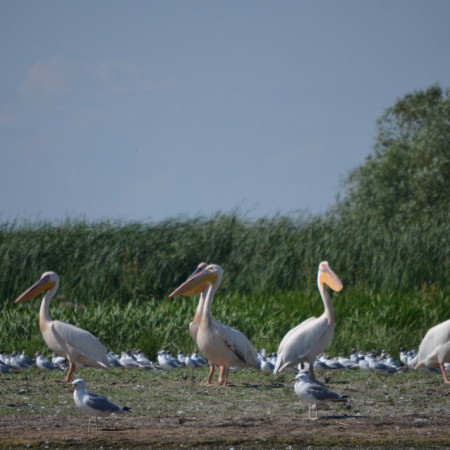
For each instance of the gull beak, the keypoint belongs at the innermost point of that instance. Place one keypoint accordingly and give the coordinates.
(44, 284)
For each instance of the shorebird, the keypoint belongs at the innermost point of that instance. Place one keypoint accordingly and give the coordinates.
(94, 405)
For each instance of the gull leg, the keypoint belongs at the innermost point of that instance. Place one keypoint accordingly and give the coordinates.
(444, 374)
(96, 423)
(89, 424)
(311, 371)
(315, 407)
(210, 374)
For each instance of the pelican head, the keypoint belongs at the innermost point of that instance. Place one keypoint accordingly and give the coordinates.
(327, 276)
(48, 281)
(204, 275)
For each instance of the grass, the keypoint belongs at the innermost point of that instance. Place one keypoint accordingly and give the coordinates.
(175, 408)
(115, 278)
(363, 319)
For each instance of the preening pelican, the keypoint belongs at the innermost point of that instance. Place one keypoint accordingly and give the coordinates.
(314, 335)
(77, 345)
(434, 350)
(219, 343)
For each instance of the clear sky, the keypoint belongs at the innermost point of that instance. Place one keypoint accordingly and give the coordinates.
(145, 110)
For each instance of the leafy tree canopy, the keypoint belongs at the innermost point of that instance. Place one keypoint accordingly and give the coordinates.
(409, 171)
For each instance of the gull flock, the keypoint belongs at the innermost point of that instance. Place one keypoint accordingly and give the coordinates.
(220, 347)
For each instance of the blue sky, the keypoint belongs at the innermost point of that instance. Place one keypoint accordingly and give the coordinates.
(146, 110)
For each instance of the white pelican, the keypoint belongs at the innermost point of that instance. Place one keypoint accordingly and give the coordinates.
(314, 335)
(219, 343)
(193, 326)
(434, 350)
(77, 345)
(93, 405)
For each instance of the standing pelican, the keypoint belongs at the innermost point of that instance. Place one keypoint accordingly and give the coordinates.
(77, 345)
(434, 350)
(219, 343)
(314, 335)
(193, 326)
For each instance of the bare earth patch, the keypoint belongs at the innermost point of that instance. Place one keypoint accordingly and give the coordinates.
(175, 409)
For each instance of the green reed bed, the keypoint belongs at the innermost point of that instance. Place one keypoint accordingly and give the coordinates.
(363, 319)
(115, 277)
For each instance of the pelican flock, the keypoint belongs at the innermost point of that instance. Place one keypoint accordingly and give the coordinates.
(301, 350)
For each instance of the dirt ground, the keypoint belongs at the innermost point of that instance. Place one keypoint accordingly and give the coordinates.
(177, 410)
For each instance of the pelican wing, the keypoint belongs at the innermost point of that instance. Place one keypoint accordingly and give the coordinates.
(238, 343)
(303, 342)
(80, 344)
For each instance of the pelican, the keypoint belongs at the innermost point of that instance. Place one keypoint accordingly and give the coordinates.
(314, 335)
(219, 343)
(193, 326)
(434, 350)
(77, 345)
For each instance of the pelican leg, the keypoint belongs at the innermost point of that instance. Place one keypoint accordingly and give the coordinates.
(221, 374)
(70, 372)
(212, 368)
(444, 374)
(89, 424)
(96, 423)
(311, 371)
(223, 377)
(68, 378)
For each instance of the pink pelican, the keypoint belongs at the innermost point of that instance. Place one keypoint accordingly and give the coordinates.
(219, 343)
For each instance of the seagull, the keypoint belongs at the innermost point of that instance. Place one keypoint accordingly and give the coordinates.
(128, 360)
(93, 404)
(44, 364)
(166, 361)
(314, 392)
(190, 362)
(266, 366)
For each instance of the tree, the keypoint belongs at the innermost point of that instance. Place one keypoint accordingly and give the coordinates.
(409, 170)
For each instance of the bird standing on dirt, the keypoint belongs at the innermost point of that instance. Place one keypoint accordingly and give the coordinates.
(220, 344)
(93, 405)
(77, 345)
(314, 392)
(434, 351)
(307, 340)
